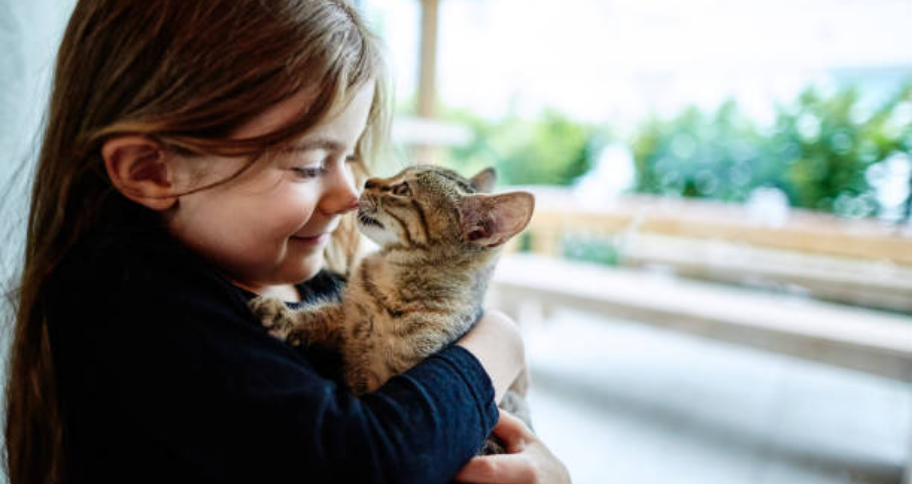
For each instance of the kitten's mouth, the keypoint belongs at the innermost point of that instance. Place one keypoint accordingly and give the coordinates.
(367, 220)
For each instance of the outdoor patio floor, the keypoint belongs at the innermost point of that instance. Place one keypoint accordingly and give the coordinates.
(626, 403)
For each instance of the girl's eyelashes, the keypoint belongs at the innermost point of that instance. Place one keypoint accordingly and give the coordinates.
(313, 170)
(310, 171)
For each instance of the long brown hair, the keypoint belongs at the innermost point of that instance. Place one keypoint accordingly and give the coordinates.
(187, 73)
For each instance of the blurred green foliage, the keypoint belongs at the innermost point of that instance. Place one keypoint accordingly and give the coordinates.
(819, 150)
(592, 249)
(550, 150)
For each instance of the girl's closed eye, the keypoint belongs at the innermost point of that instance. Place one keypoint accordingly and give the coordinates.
(313, 170)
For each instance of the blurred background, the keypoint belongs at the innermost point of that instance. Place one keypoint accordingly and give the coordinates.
(717, 284)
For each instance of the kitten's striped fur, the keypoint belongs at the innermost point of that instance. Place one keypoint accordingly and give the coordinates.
(439, 236)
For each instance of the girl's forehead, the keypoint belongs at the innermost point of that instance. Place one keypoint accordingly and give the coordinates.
(341, 128)
(347, 122)
(277, 116)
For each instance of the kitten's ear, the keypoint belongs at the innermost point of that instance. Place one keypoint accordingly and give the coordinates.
(491, 220)
(484, 180)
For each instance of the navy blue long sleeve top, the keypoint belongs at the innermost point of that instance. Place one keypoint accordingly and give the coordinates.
(164, 375)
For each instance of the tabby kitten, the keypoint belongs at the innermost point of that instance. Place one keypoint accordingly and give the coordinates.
(439, 236)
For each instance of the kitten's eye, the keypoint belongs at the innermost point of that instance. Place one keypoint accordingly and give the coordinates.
(402, 190)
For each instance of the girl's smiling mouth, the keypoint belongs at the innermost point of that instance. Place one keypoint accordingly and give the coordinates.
(312, 240)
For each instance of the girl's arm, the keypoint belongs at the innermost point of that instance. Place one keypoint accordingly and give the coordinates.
(496, 342)
(163, 369)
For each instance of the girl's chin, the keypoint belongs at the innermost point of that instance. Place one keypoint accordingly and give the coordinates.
(310, 266)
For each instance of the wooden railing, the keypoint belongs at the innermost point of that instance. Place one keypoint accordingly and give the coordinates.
(799, 230)
(857, 262)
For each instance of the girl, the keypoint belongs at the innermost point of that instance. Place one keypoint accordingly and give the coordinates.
(197, 154)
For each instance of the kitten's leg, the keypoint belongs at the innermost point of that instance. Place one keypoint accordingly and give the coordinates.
(321, 323)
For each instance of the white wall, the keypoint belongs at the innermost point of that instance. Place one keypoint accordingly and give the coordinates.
(29, 34)
(30, 31)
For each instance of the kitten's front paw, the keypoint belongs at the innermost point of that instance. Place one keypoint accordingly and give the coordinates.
(275, 316)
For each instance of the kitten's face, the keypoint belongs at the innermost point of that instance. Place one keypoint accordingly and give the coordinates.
(426, 206)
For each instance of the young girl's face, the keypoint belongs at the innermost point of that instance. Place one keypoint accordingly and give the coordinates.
(267, 228)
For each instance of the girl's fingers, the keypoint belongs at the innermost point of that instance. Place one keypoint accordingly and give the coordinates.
(512, 431)
(513, 467)
(498, 469)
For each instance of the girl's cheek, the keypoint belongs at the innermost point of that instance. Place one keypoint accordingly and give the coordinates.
(303, 201)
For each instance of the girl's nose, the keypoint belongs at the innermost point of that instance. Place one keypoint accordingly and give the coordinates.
(340, 195)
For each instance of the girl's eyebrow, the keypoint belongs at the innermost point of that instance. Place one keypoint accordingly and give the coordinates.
(324, 144)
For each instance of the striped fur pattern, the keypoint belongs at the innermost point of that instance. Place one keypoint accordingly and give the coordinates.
(439, 235)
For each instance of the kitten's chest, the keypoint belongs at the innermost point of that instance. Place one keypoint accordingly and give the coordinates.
(402, 317)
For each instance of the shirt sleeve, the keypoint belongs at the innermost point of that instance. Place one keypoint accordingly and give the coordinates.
(182, 371)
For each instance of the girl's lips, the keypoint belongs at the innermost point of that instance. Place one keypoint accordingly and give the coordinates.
(315, 240)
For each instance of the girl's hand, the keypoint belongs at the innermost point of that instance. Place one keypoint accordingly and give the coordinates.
(497, 343)
(527, 461)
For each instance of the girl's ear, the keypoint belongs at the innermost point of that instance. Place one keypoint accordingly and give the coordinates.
(491, 220)
(141, 169)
